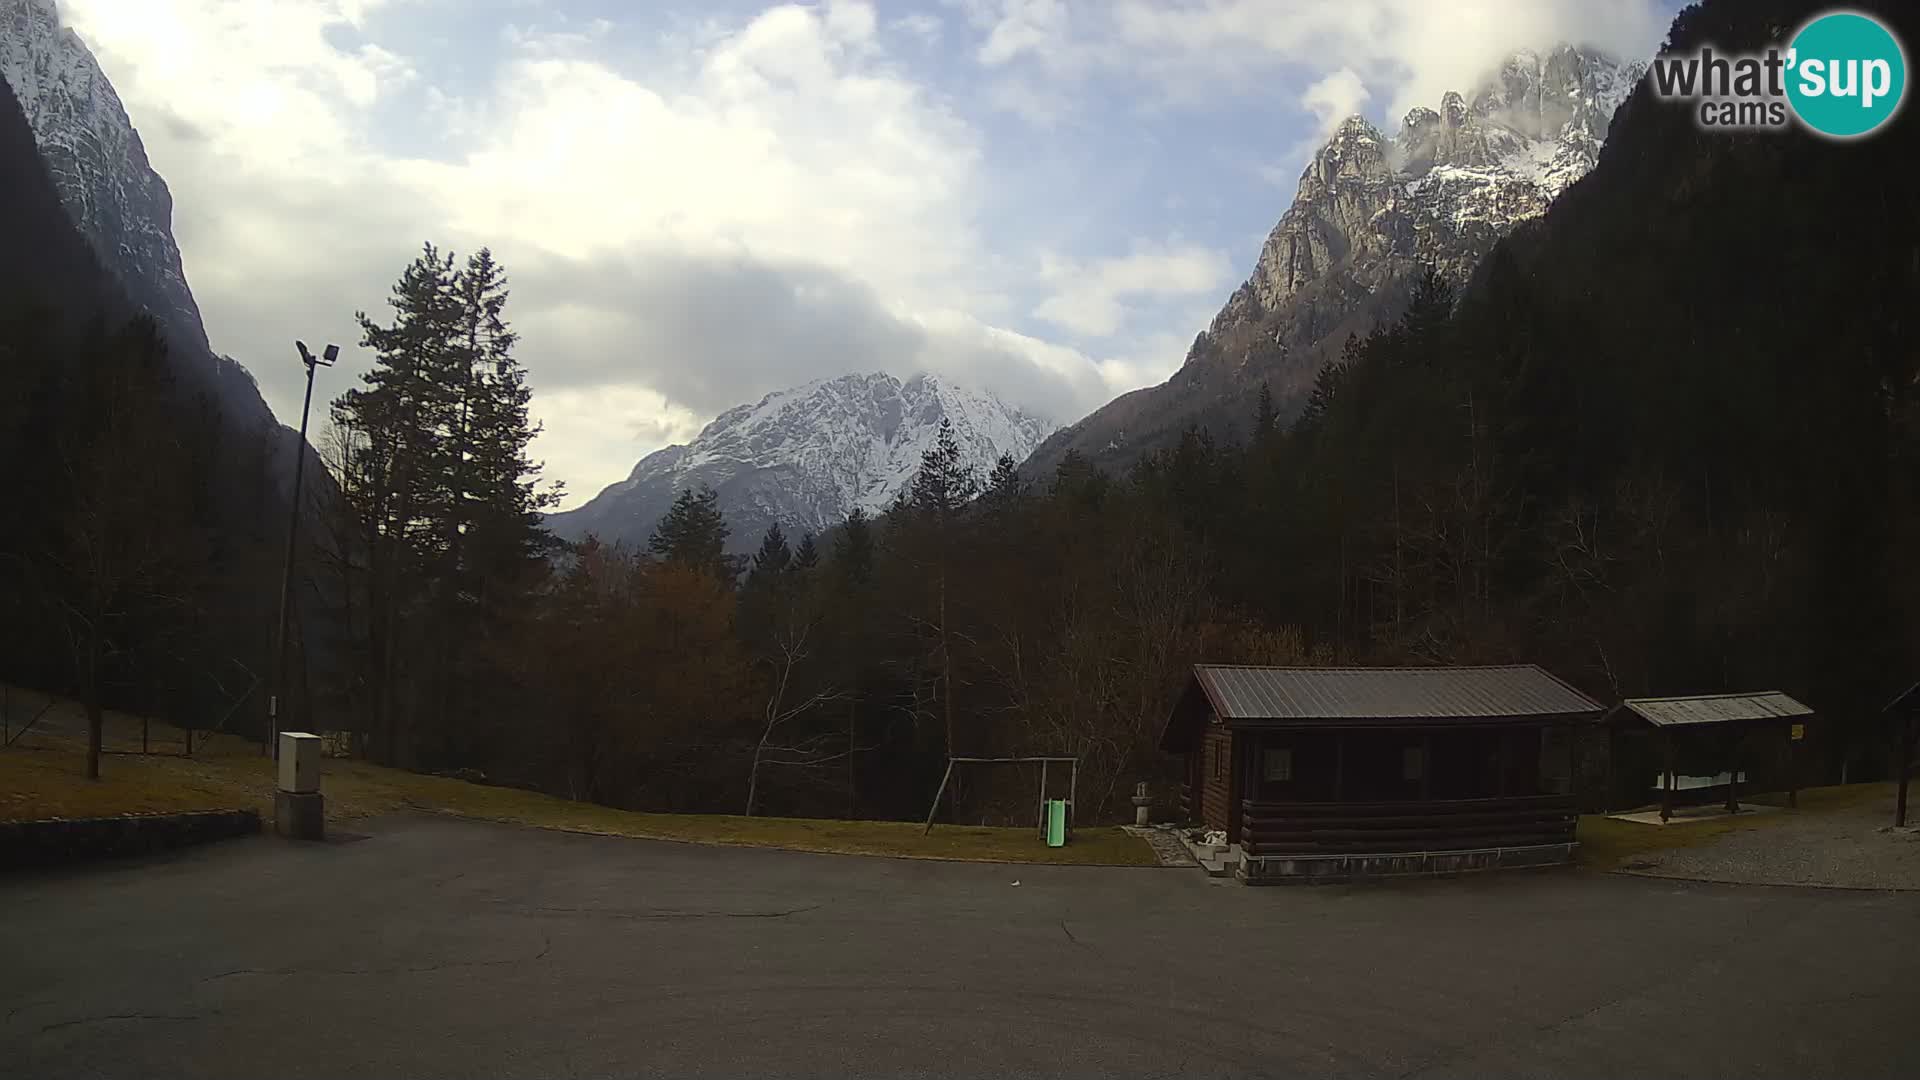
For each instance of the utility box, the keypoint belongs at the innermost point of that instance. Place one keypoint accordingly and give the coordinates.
(299, 810)
(299, 762)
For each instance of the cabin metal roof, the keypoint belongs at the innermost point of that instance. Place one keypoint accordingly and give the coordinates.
(1308, 694)
(1715, 708)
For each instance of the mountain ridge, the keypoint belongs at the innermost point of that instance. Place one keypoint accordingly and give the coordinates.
(807, 455)
(120, 203)
(1368, 213)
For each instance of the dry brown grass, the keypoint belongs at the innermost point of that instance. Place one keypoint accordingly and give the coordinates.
(42, 776)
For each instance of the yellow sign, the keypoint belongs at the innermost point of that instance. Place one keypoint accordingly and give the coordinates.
(1799, 732)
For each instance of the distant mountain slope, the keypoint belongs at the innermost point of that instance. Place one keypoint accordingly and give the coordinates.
(123, 207)
(1369, 212)
(46, 262)
(806, 456)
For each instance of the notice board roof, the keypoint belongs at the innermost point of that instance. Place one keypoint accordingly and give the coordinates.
(1716, 708)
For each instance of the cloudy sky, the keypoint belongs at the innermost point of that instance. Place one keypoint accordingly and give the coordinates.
(698, 202)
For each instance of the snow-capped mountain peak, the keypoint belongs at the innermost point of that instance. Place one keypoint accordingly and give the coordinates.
(97, 161)
(807, 455)
(1369, 213)
(1449, 184)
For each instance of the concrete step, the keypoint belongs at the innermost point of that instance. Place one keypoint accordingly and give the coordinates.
(1218, 860)
(1218, 867)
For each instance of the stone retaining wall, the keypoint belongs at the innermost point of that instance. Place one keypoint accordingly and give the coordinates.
(1329, 869)
(60, 840)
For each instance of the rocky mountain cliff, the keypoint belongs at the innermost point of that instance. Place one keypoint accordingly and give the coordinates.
(1369, 213)
(807, 456)
(108, 187)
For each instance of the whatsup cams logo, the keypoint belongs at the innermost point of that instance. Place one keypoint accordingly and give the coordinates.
(1842, 75)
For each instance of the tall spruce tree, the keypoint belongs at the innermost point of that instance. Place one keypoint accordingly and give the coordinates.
(1266, 420)
(694, 533)
(943, 485)
(773, 558)
(807, 555)
(441, 492)
(496, 478)
(944, 482)
(1004, 486)
(394, 475)
(853, 549)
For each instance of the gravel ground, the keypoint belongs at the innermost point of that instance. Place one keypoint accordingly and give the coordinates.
(1165, 843)
(1854, 848)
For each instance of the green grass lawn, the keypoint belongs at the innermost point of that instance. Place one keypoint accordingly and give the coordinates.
(42, 776)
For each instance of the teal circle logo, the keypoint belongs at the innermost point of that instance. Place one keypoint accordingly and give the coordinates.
(1846, 74)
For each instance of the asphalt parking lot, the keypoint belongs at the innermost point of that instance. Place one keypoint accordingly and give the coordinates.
(444, 948)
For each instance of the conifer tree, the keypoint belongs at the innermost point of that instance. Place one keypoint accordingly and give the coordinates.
(1004, 486)
(944, 482)
(1077, 481)
(807, 555)
(1266, 421)
(853, 548)
(1427, 315)
(394, 478)
(694, 533)
(942, 486)
(1327, 383)
(496, 478)
(773, 558)
(439, 486)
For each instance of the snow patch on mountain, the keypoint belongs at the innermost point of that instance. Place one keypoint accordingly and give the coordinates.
(808, 455)
(97, 160)
(1370, 212)
(111, 191)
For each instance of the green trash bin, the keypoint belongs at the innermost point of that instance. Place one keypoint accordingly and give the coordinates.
(1056, 822)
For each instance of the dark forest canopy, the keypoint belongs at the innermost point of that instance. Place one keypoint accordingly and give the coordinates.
(1666, 441)
(134, 568)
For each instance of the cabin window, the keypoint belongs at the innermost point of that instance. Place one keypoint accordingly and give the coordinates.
(1279, 764)
(1413, 763)
(1219, 761)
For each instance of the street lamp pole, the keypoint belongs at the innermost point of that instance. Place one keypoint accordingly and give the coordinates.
(277, 688)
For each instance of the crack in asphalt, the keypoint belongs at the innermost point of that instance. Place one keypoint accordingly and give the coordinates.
(415, 969)
(671, 913)
(57, 1024)
(1069, 933)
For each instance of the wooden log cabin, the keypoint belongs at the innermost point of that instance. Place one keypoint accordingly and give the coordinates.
(1338, 773)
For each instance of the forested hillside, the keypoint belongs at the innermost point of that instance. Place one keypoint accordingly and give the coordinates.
(135, 566)
(1665, 441)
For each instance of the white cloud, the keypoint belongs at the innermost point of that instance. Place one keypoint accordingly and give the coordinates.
(1335, 98)
(1089, 295)
(742, 205)
(922, 25)
(604, 424)
(1024, 26)
(774, 202)
(1408, 51)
